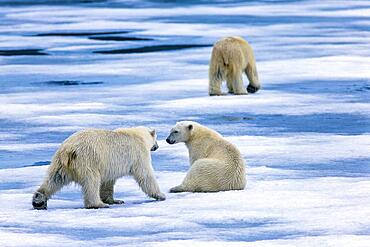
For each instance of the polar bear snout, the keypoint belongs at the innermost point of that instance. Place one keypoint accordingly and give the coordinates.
(39, 201)
(169, 140)
(155, 147)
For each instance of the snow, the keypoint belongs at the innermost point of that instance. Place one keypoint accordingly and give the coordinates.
(305, 136)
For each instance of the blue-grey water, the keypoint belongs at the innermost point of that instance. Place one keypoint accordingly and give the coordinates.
(68, 65)
(57, 55)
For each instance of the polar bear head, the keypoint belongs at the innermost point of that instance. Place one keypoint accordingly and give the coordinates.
(153, 134)
(181, 132)
(149, 135)
(153, 144)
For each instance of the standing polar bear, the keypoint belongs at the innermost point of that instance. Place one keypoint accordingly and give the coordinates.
(95, 159)
(216, 164)
(231, 56)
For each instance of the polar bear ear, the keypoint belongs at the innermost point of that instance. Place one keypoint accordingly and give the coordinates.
(190, 127)
(152, 132)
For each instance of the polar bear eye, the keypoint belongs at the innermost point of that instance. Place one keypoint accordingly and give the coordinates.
(175, 132)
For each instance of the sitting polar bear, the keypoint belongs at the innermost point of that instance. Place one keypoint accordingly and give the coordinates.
(231, 57)
(216, 164)
(95, 159)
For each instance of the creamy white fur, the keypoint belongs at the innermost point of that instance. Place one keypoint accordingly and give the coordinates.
(95, 159)
(216, 164)
(231, 56)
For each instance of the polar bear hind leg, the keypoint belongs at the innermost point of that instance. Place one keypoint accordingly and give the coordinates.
(107, 191)
(234, 73)
(57, 178)
(251, 72)
(203, 176)
(236, 82)
(229, 84)
(46, 190)
(90, 182)
(215, 82)
(216, 73)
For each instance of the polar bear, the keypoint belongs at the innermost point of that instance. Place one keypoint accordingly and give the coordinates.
(216, 164)
(231, 56)
(95, 159)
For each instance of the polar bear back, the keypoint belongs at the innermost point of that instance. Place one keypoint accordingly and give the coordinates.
(207, 143)
(235, 52)
(112, 153)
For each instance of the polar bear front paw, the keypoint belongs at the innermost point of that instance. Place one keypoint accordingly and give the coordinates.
(113, 201)
(240, 93)
(217, 94)
(160, 197)
(118, 202)
(96, 206)
(176, 189)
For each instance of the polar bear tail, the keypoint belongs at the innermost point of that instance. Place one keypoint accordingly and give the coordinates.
(56, 178)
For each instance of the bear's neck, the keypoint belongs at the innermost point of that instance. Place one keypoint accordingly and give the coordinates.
(195, 144)
(195, 139)
(201, 133)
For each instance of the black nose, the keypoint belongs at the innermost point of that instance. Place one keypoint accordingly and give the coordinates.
(169, 141)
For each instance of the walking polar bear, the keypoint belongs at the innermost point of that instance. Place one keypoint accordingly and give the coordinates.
(231, 56)
(216, 164)
(95, 159)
